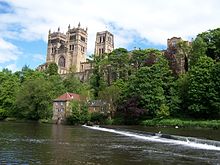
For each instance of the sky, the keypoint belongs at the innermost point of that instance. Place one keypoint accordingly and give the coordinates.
(24, 24)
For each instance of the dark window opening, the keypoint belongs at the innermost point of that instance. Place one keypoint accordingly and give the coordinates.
(61, 62)
(73, 37)
(71, 47)
(54, 41)
(83, 39)
(82, 49)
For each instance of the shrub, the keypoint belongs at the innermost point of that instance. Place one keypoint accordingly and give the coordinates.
(98, 117)
(3, 114)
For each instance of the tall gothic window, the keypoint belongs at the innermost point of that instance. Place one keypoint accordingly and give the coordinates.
(83, 38)
(61, 61)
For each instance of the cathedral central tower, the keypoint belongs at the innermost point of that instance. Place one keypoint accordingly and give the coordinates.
(67, 50)
(104, 43)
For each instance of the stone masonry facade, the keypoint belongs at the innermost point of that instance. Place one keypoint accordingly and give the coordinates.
(69, 50)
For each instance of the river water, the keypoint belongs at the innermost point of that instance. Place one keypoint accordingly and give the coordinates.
(33, 143)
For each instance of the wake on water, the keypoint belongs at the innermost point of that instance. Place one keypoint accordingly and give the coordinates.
(162, 138)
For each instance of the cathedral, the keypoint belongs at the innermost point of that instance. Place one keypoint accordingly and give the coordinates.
(69, 50)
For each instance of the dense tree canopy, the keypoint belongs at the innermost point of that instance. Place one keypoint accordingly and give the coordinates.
(34, 99)
(137, 85)
(202, 95)
(9, 87)
(211, 39)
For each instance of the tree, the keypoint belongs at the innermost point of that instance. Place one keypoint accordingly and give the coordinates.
(119, 64)
(34, 100)
(215, 100)
(138, 58)
(73, 84)
(108, 68)
(146, 57)
(9, 87)
(150, 90)
(97, 82)
(130, 111)
(52, 69)
(111, 95)
(200, 89)
(27, 74)
(212, 40)
(57, 85)
(80, 114)
(199, 48)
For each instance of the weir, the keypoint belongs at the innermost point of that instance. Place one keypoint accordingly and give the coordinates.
(164, 138)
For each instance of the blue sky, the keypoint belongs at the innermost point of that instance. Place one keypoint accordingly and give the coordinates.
(24, 24)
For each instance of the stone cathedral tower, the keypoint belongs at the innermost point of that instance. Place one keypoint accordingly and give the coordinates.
(67, 50)
(104, 43)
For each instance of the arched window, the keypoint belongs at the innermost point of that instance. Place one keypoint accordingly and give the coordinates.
(61, 61)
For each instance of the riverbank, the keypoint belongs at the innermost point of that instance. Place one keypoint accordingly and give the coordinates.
(186, 123)
(13, 119)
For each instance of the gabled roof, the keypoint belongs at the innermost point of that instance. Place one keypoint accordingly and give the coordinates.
(68, 96)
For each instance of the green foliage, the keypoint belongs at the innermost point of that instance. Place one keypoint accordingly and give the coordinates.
(52, 69)
(201, 92)
(215, 101)
(72, 84)
(136, 85)
(182, 88)
(34, 100)
(140, 58)
(152, 85)
(57, 85)
(3, 114)
(111, 95)
(199, 48)
(98, 118)
(212, 39)
(183, 123)
(9, 87)
(28, 94)
(119, 64)
(97, 81)
(28, 74)
(163, 111)
(79, 113)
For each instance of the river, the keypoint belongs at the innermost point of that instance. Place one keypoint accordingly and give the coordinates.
(33, 143)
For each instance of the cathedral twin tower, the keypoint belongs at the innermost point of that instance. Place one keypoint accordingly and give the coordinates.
(69, 50)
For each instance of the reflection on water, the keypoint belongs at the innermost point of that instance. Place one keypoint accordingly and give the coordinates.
(32, 143)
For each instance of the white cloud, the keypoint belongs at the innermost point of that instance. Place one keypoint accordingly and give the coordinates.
(154, 20)
(39, 57)
(12, 67)
(8, 51)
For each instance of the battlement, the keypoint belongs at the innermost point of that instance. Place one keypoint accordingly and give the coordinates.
(104, 42)
(68, 50)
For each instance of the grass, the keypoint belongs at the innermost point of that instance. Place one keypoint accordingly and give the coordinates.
(13, 119)
(48, 121)
(215, 124)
